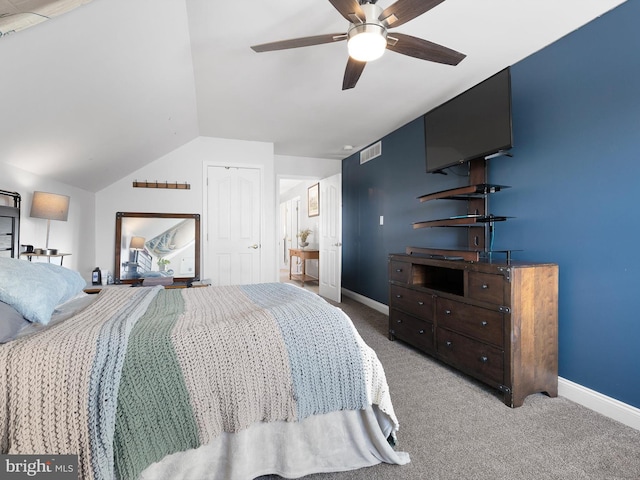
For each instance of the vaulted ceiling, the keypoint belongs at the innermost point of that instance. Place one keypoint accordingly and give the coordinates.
(95, 93)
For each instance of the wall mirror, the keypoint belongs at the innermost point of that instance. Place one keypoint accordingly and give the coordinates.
(157, 244)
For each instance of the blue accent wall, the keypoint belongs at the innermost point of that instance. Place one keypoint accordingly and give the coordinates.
(575, 178)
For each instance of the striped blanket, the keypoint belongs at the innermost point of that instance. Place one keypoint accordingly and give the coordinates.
(145, 372)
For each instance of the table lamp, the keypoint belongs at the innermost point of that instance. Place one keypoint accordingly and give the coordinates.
(137, 243)
(52, 207)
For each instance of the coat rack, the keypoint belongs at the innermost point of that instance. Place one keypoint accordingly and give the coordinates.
(156, 184)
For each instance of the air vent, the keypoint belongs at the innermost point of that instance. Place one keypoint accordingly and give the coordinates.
(371, 152)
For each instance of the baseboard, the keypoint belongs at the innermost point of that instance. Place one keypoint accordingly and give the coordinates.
(380, 307)
(607, 406)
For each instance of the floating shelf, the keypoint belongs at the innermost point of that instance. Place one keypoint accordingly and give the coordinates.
(459, 221)
(463, 193)
(478, 220)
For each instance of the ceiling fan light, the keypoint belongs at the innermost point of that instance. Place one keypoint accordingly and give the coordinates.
(366, 42)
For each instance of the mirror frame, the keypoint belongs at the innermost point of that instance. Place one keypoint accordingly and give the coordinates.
(178, 216)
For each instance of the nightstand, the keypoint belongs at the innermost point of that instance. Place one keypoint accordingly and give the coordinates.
(97, 288)
(48, 256)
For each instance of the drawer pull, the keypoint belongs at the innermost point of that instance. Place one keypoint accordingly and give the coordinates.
(485, 286)
(399, 270)
(484, 359)
(447, 312)
(420, 303)
(421, 332)
(484, 323)
(399, 320)
(398, 296)
(449, 343)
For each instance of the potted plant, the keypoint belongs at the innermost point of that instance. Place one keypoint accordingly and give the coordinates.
(303, 235)
(162, 263)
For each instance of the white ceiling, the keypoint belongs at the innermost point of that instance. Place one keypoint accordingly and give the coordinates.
(100, 91)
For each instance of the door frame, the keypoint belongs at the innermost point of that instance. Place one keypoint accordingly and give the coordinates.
(279, 220)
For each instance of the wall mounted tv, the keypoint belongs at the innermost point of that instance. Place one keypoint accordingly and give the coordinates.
(476, 123)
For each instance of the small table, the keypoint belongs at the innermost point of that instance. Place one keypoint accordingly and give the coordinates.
(303, 255)
(31, 255)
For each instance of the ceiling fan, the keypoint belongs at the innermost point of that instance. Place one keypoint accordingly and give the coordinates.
(367, 36)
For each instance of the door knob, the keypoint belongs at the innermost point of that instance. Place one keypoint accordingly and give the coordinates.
(337, 244)
(254, 246)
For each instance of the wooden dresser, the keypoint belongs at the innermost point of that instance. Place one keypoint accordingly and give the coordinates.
(494, 321)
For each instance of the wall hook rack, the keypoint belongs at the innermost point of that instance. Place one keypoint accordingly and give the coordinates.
(168, 185)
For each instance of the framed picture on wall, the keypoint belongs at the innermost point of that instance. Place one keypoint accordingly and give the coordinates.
(313, 199)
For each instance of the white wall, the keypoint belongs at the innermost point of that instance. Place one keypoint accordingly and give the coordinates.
(306, 167)
(75, 236)
(188, 164)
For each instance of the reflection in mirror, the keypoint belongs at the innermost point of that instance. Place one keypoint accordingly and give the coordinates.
(157, 245)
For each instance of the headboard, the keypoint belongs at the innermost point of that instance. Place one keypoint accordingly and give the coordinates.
(10, 224)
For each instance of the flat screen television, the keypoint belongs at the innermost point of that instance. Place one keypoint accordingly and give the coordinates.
(476, 123)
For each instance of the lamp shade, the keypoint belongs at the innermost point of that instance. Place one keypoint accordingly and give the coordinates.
(137, 243)
(50, 206)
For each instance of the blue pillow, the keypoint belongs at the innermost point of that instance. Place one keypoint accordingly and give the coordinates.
(71, 280)
(35, 288)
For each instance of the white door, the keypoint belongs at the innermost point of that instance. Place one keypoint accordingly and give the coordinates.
(331, 238)
(233, 225)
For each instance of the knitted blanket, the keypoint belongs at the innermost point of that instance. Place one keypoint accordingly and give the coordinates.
(146, 372)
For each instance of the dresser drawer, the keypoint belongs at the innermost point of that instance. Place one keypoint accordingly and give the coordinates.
(412, 330)
(486, 287)
(476, 358)
(480, 323)
(416, 303)
(399, 271)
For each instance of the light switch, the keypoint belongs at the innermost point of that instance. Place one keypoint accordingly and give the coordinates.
(381, 219)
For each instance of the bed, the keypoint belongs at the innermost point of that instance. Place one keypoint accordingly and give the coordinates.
(229, 382)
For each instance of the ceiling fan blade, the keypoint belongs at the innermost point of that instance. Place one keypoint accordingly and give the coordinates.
(300, 42)
(425, 50)
(405, 10)
(352, 73)
(347, 8)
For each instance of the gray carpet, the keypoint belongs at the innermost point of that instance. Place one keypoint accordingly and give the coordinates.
(455, 428)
